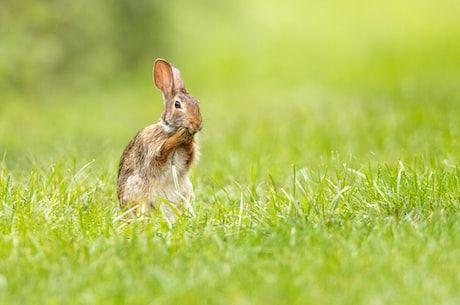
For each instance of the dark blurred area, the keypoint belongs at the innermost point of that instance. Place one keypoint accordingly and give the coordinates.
(45, 44)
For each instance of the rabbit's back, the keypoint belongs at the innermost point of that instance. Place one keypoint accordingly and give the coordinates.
(137, 170)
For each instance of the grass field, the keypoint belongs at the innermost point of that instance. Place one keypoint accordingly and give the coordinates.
(329, 178)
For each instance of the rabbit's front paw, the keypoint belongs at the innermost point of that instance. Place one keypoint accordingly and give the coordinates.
(185, 136)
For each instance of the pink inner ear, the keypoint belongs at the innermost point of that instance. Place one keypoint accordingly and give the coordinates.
(163, 76)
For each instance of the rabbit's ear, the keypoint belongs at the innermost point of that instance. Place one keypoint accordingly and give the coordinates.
(178, 83)
(163, 76)
(167, 77)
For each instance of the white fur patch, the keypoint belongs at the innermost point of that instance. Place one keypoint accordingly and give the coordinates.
(168, 129)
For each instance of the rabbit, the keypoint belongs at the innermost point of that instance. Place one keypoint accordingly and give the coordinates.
(154, 166)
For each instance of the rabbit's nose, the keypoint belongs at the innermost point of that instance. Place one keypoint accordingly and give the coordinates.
(197, 126)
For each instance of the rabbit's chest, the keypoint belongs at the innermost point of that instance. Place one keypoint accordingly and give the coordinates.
(178, 160)
(176, 170)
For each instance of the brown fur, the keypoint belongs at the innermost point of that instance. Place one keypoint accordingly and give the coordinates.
(146, 165)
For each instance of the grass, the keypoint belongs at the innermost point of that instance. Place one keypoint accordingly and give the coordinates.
(382, 235)
(333, 178)
(366, 223)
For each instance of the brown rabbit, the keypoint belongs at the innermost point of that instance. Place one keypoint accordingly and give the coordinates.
(155, 164)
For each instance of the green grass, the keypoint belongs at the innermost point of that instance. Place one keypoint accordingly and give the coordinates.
(329, 173)
(306, 204)
(378, 235)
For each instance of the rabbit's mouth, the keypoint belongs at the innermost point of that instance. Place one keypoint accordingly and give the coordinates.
(194, 127)
(193, 130)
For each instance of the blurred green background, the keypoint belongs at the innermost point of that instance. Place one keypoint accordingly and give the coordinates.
(286, 81)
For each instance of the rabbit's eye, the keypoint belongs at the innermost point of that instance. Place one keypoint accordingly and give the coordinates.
(177, 105)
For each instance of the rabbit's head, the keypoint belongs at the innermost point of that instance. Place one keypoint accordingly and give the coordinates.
(181, 108)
